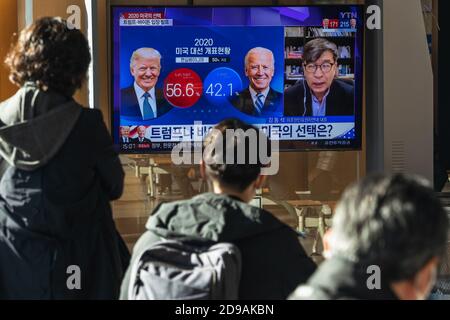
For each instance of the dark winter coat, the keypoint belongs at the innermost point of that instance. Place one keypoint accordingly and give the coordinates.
(273, 260)
(342, 279)
(56, 227)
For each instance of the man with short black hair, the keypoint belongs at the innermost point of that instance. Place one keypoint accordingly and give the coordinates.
(273, 260)
(320, 93)
(388, 235)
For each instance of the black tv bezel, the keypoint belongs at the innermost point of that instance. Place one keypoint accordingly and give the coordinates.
(356, 144)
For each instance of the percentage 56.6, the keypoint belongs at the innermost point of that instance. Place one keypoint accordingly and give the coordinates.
(183, 88)
(176, 90)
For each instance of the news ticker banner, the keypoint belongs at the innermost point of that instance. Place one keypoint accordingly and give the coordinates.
(285, 132)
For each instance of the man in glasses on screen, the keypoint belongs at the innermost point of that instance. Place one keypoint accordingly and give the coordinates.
(259, 99)
(142, 100)
(320, 93)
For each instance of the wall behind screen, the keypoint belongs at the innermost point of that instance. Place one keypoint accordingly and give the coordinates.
(8, 17)
(44, 8)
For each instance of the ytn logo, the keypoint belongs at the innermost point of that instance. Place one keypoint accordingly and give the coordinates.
(348, 15)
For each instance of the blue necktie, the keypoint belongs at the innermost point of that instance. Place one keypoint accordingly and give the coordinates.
(259, 104)
(148, 112)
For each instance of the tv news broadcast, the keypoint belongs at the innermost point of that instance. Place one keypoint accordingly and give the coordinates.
(294, 72)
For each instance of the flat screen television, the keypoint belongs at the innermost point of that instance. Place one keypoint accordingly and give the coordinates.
(295, 72)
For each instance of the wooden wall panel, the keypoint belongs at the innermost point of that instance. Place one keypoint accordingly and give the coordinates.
(8, 18)
(43, 8)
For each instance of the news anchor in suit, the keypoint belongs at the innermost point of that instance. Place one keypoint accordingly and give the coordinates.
(259, 99)
(125, 134)
(320, 94)
(142, 100)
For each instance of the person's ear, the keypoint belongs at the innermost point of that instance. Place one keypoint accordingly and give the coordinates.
(260, 181)
(327, 243)
(425, 279)
(202, 169)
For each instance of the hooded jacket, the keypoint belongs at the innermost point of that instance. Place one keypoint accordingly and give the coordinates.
(58, 173)
(340, 278)
(273, 261)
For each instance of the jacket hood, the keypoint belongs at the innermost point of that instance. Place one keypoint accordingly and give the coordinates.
(34, 124)
(211, 217)
(341, 278)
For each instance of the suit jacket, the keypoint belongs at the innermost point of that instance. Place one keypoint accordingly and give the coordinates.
(340, 100)
(272, 106)
(129, 106)
(136, 140)
(130, 140)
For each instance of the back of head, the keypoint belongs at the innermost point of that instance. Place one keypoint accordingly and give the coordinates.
(50, 54)
(395, 222)
(233, 154)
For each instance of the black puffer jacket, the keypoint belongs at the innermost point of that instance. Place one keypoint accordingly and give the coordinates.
(273, 261)
(60, 172)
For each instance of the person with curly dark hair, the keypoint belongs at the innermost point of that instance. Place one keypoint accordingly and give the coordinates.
(58, 172)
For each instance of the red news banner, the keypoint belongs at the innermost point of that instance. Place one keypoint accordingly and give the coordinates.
(142, 15)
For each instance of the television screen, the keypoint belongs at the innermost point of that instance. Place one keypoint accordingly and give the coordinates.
(294, 72)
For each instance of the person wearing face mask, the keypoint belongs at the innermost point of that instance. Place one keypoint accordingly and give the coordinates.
(142, 101)
(389, 234)
(259, 99)
(320, 93)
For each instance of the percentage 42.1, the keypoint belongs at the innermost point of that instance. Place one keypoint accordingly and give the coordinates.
(219, 90)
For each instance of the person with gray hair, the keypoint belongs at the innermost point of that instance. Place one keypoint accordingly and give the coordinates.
(389, 234)
(259, 99)
(142, 100)
(320, 93)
